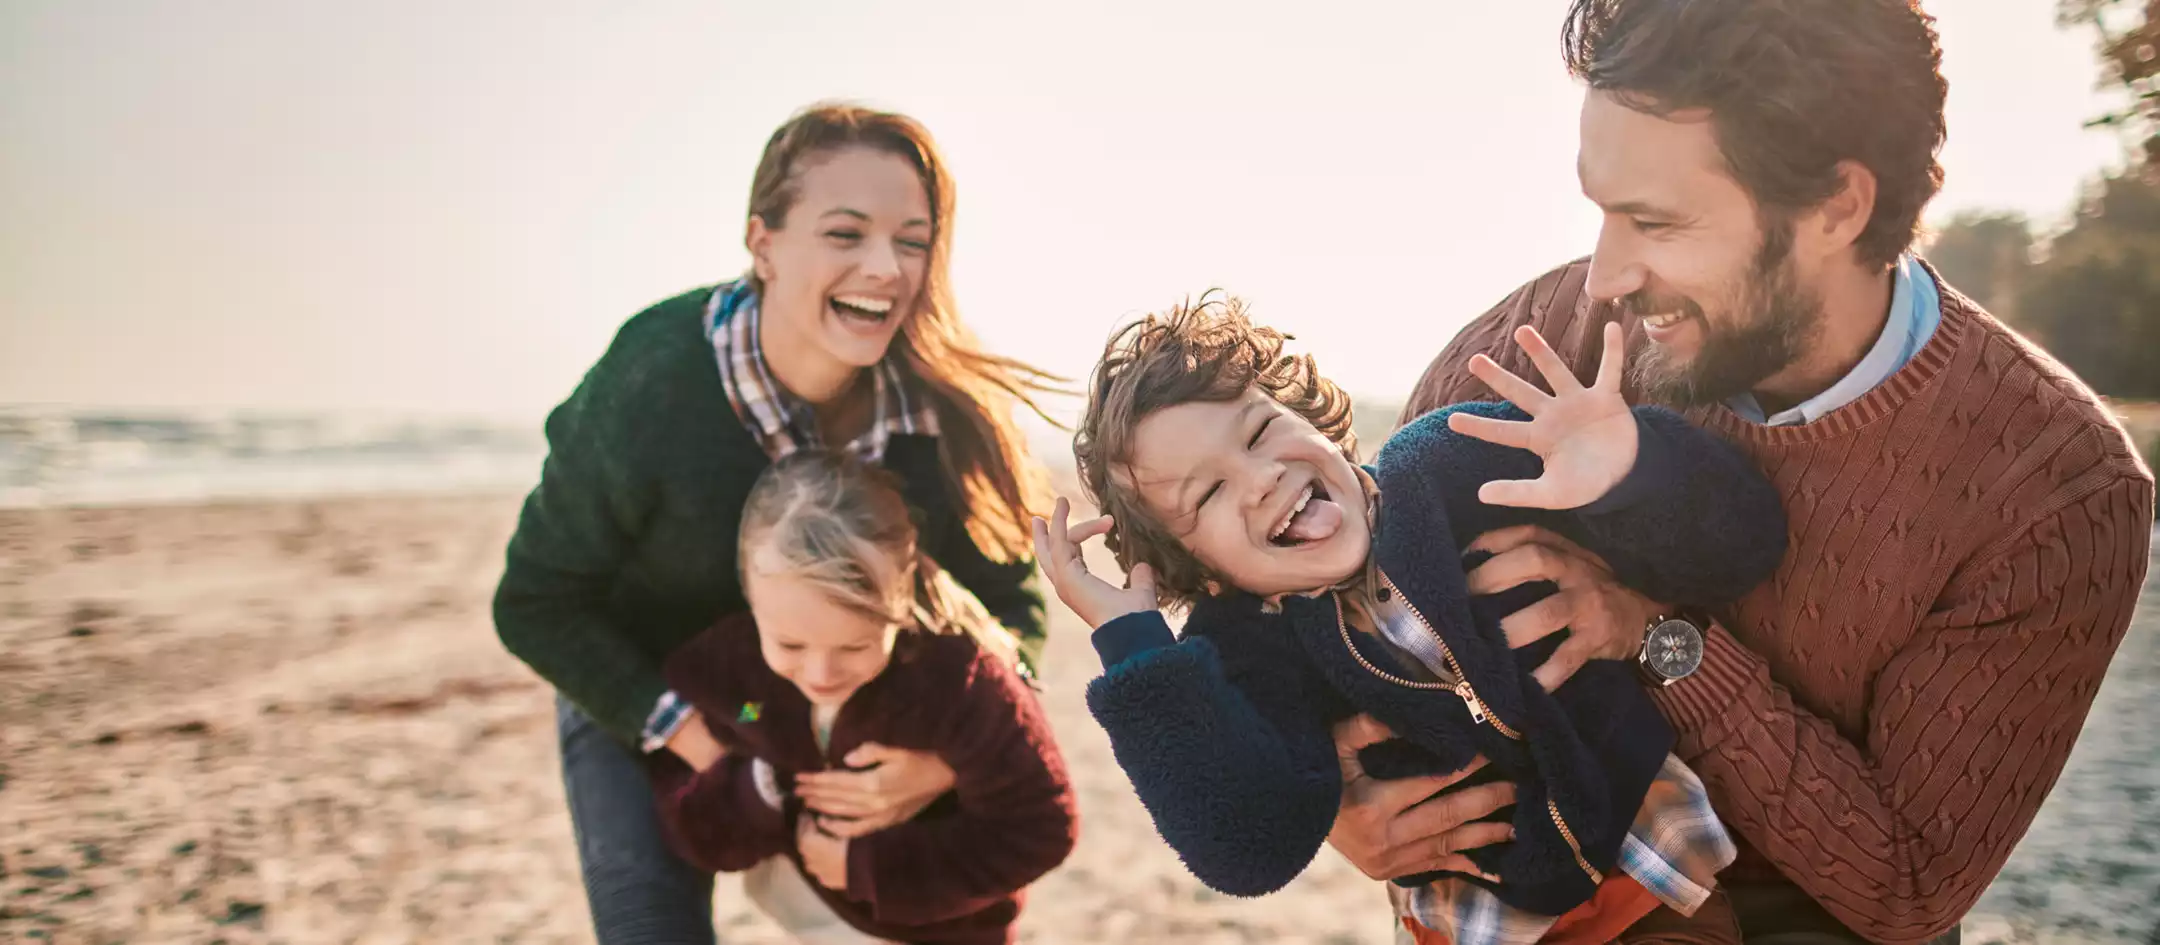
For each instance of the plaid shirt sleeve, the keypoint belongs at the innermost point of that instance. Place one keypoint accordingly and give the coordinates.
(1675, 850)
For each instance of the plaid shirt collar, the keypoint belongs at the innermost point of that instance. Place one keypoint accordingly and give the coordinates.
(783, 422)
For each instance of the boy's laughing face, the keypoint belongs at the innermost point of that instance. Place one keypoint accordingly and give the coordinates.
(1255, 492)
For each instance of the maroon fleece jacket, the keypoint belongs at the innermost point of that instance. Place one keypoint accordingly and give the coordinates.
(954, 873)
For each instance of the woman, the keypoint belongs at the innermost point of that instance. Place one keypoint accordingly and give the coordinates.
(843, 334)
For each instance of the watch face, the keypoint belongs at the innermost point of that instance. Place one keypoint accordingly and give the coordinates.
(1673, 649)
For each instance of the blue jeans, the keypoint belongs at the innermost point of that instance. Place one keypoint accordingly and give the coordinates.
(640, 892)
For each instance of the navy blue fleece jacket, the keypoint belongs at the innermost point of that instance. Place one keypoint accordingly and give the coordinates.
(1225, 731)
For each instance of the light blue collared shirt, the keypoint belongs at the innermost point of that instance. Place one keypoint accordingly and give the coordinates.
(1915, 311)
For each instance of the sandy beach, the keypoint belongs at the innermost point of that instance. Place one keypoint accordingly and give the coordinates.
(292, 722)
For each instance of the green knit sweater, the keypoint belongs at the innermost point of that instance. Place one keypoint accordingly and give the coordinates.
(627, 547)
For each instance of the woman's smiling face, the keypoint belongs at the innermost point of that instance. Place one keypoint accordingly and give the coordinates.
(846, 269)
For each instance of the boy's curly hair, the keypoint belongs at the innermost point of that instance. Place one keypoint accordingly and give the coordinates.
(1205, 352)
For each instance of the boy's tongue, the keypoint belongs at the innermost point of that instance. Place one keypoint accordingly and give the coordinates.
(1319, 519)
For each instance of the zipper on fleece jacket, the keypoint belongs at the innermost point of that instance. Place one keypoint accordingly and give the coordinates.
(1480, 712)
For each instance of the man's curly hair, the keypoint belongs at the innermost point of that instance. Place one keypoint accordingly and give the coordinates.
(1206, 352)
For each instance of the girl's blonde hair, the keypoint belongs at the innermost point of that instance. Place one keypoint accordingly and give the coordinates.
(997, 484)
(828, 518)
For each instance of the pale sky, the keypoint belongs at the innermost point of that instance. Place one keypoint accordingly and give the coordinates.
(448, 208)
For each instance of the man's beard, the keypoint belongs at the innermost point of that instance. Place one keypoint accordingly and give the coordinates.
(1776, 320)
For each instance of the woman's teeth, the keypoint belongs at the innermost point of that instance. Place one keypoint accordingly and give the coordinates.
(863, 305)
(1284, 525)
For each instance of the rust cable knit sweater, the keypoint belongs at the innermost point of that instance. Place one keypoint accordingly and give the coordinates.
(1880, 722)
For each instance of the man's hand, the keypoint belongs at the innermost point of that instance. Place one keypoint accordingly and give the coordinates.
(1604, 619)
(1097, 601)
(1389, 829)
(895, 785)
(824, 855)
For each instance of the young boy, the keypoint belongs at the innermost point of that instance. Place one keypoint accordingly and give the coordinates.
(1318, 590)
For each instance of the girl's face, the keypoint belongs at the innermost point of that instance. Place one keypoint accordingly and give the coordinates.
(826, 649)
(846, 268)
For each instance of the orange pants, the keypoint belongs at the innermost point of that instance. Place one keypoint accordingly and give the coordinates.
(1623, 911)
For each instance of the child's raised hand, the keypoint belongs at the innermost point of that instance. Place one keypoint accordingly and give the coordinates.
(1097, 601)
(1585, 435)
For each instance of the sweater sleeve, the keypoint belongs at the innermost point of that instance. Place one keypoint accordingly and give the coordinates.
(1246, 800)
(717, 818)
(1968, 727)
(1693, 523)
(1016, 816)
(578, 527)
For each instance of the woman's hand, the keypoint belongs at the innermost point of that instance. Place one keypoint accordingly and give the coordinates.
(824, 855)
(1585, 435)
(1096, 601)
(895, 786)
(695, 744)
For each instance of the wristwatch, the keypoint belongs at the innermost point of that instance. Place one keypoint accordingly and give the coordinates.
(1672, 649)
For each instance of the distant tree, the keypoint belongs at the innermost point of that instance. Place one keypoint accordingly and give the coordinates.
(2094, 300)
(2090, 293)
(1987, 255)
(2128, 33)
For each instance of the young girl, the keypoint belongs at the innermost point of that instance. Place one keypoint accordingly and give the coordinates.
(856, 643)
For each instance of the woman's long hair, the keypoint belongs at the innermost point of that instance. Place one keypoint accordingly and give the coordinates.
(841, 524)
(995, 481)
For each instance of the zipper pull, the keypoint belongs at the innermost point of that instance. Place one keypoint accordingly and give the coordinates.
(1470, 700)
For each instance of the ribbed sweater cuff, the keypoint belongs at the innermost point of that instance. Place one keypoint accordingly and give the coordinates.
(1716, 691)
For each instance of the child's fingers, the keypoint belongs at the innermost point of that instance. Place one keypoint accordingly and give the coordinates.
(1099, 525)
(1056, 557)
(1141, 578)
(1507, 384)
(1523, 494)
(1514, 433)
(1042, 539)
(1611, 363)
(1059, 514)
(1060, 557)
(1548, 362)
